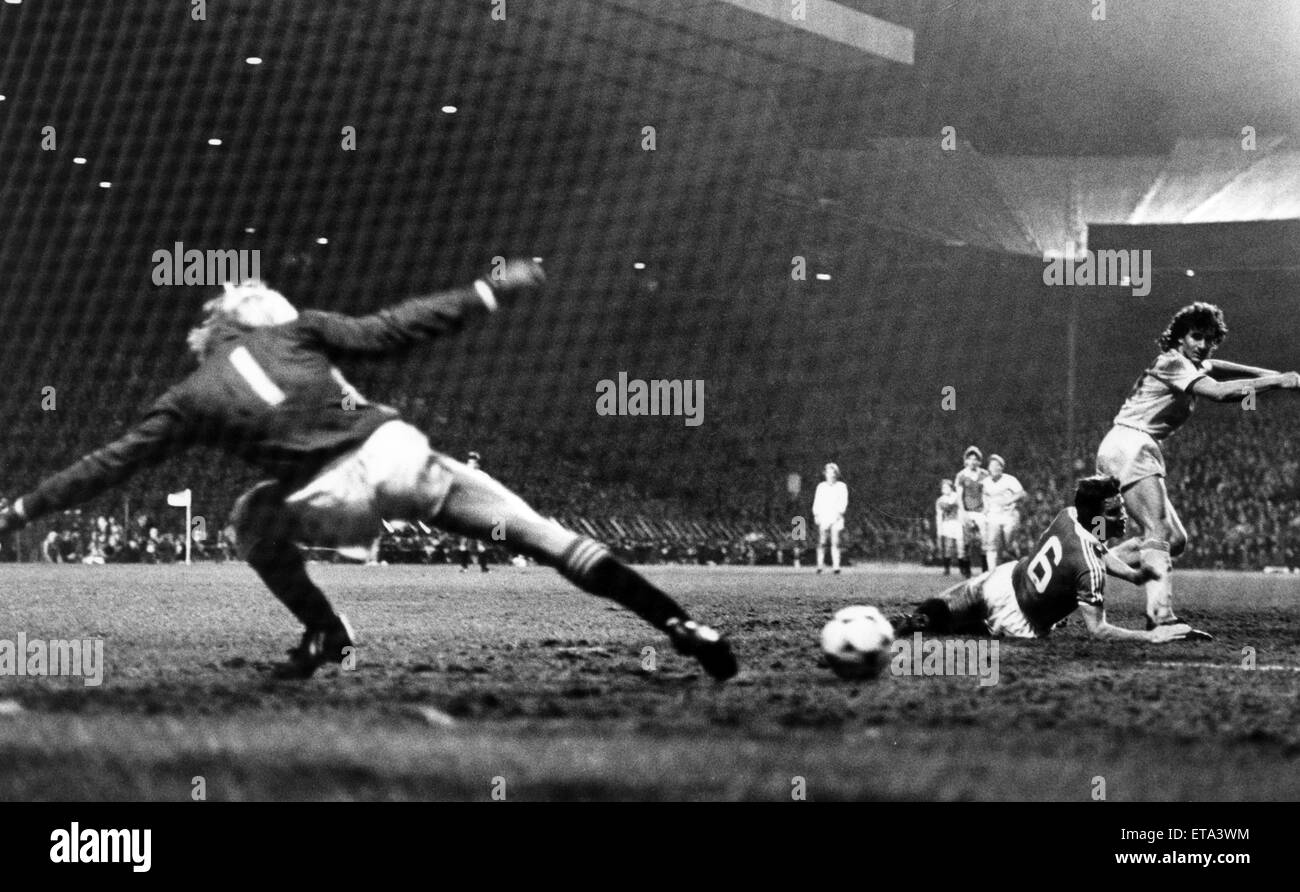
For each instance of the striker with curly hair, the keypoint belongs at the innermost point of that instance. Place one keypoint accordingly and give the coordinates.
(1159, 403)
(1201, 317)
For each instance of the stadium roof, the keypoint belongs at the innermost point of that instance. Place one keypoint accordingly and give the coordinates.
(165, 132)
(1042, 205)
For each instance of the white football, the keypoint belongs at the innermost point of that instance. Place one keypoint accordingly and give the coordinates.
(856, 642)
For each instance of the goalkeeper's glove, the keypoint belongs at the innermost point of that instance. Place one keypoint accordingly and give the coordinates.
(515, 275)
(10, 517)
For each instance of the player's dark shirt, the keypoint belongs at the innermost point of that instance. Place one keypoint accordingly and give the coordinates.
(271, 396)
(971, 486)
(1066, 569)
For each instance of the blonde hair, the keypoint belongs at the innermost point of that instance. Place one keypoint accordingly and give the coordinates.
(250, 304)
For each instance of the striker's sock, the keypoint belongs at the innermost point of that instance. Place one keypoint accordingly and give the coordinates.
(1154, 553)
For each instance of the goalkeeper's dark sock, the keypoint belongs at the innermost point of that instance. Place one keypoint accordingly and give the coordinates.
(282, 568)
(964, 564)
(590, 566)
(947, 566)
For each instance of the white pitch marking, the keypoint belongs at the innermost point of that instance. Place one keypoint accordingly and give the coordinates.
(1236, 666)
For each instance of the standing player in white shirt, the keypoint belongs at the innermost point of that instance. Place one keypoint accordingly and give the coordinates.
(829, 504)
(1002, 495)
(1162, 399)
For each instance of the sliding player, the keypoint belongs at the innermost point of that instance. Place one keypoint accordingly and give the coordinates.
(1026, 598)
(1162, 399)
(947, 528)
(266, 390)
(1002, 496)
(830, 501)
(969, 484)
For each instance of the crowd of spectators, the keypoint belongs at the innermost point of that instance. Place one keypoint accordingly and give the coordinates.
(75, 537)
(1234, 477)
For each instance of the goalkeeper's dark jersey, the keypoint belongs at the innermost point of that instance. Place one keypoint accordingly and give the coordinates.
(1066, 569)
(271, 396)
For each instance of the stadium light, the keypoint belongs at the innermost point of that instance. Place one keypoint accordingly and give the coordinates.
(214, 142)
(537, 260)
(638, 265)
(78, 160)
(254, 60)
(250, 230)
(449, 109)
(105, 184)
(823, 277)
(1191, 272)
(322, 241)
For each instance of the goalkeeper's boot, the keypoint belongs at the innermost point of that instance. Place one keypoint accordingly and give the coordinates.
(318, 647)
(705, 644)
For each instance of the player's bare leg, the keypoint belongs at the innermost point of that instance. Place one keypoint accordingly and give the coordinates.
(835, 549)
(477, 505)
(992, 545)
(823, 537)
(1147, 502)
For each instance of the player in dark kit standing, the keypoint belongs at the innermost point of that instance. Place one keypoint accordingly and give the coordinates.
(267, 390)
(969, 484)
(1026, 598)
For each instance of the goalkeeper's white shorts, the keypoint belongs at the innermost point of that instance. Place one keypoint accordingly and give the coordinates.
(394, 474)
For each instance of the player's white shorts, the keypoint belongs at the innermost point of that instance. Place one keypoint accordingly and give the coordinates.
(1130, 455)
(394, 474)
(1004, 618)
(950, 529)
(999, 528)
(831, 526)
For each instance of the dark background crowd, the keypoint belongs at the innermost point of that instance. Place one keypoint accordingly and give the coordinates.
(1233, 481)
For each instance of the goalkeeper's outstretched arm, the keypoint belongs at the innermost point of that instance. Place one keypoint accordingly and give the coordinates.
(160, 433)
(419, 319)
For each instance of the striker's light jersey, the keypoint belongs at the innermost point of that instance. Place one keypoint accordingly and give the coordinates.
(971, 486)
(1066, 570)
(1161, 398)
(999, 493)
(830, 501)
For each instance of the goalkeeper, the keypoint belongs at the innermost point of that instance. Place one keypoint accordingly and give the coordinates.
(267, 390)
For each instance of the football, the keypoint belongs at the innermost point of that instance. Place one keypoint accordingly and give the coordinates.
(856, 642)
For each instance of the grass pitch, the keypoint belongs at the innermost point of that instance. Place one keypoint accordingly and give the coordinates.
(516, 684)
